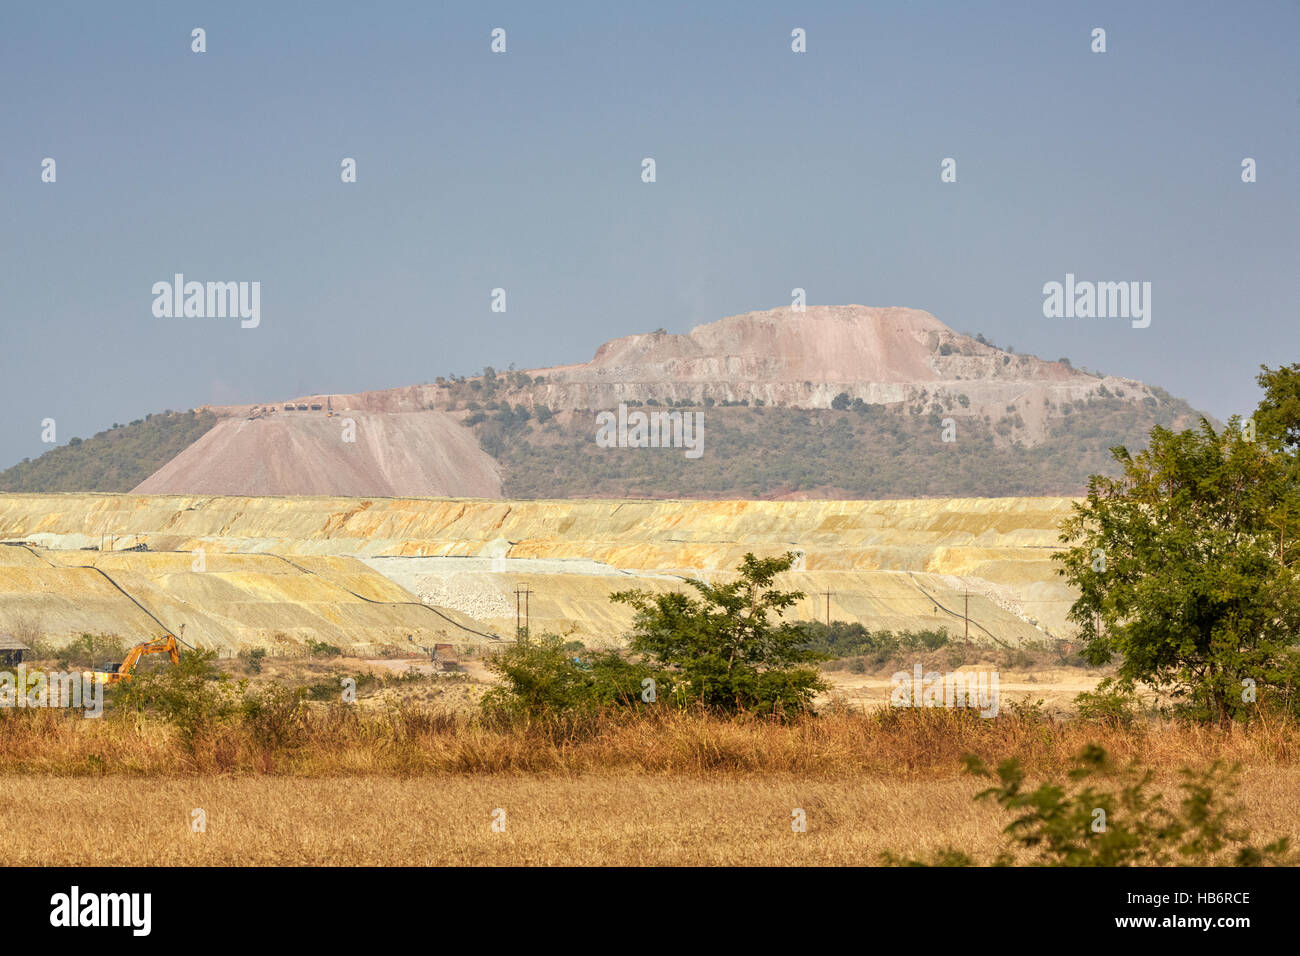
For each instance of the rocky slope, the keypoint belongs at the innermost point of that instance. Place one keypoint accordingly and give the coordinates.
(805, 359)
(831, 401)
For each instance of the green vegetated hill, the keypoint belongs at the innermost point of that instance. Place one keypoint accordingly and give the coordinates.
(864, 452)
(116, 459)
(853, 450)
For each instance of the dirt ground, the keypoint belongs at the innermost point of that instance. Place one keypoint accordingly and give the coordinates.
(462, 688)
(1055, 687)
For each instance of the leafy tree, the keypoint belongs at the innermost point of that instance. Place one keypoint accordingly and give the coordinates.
(1278, 415)
(725, 649)
(90, 651)
(1181, 571)
(254, 658)
(1277, 422)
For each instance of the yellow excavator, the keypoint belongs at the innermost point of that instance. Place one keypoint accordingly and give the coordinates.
(163, 645)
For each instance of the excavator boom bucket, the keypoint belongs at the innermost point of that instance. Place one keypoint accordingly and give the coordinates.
(163, 645)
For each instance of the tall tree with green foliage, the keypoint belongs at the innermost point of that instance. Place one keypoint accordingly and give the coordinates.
(727, 649)
(1278, 417)
(1184, 571)
(1277, 425)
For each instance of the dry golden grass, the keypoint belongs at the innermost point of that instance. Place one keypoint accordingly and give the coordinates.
(351, 785)
(342, 740)
(583, 820)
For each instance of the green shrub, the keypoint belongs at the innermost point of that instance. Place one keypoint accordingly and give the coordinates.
(273, 716)
(1075, 823)
(1108, 704)
(545, 680)
(842, 639)
(253, 658)
(541, 681)
(193, 695)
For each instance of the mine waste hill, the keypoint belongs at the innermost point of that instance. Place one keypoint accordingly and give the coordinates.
(831, 402)
(374, 575)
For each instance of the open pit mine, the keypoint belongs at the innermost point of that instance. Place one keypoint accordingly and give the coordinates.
(376, 574)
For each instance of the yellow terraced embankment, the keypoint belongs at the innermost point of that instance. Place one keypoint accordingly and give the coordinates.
(904, 563)
(222, 601)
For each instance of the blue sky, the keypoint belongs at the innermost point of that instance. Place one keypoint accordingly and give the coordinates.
(522, 170)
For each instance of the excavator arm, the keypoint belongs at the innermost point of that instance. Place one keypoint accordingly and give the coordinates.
(163, 645)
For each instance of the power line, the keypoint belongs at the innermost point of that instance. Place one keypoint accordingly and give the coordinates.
(524, 591)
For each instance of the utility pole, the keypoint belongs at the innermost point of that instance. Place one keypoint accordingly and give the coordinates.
(523, 592)
(828, 607)
(968, 615)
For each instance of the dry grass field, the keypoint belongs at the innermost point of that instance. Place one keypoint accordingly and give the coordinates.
(333, 740)
(410, 776)
(600, 820)
(411, 786)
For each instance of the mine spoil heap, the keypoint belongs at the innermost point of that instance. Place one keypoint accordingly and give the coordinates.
(243, 572)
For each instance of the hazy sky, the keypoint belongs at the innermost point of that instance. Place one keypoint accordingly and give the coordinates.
(522, 170)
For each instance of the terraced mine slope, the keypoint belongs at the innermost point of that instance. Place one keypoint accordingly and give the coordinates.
(236, 601)
(367, 571)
